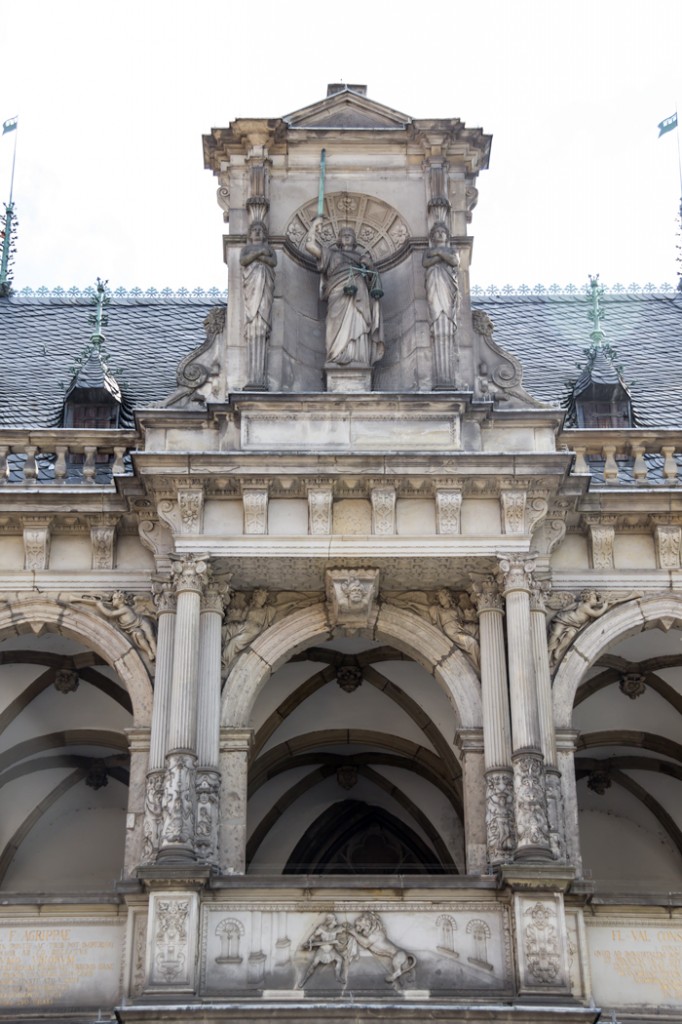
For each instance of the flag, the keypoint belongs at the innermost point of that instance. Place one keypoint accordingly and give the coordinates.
(9, 126)
(667, 124)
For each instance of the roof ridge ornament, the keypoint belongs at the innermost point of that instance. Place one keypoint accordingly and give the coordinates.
(596, 312)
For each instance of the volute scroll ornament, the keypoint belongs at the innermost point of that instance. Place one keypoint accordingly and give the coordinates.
(500, 374)
(198, 374)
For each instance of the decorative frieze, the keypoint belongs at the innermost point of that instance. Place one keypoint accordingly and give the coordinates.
(448, 511)
(207, 807)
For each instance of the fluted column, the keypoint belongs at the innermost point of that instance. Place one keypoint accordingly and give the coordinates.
(530, 799)
(538, 629)
(178, 830)
(499, 785)
(234, 770)
(164, 598)
(208, 722)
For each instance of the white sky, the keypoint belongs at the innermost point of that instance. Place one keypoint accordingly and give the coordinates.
(113, 99)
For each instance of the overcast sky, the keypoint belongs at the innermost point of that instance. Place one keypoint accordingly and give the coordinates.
(113, 99)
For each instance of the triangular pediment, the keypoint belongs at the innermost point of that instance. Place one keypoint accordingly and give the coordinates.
(347, 110)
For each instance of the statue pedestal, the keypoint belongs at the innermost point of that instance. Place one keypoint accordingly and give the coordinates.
(349, 378)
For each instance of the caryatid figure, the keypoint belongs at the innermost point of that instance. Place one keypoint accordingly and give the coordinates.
(350, 285)
(441, 263)
(258, 260)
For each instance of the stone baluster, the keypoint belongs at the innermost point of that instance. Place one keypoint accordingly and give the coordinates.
(30, 465)
(610, 464)
(118, 466)
(60, 468)
(164, 598)
(4, 463)
(530, 797)
(178, 829)
(234, 762)
(669, 463)
(640, 470)
(89, 463)
(500, 825)
(538, 626)
(208, 722)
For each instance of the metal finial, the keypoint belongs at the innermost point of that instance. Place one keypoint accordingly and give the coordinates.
(596, 311)
(99, 319)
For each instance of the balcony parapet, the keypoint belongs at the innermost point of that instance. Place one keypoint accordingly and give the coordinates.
(64, 457)
(637, 457)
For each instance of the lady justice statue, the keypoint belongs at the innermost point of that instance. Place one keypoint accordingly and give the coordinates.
(350, 285)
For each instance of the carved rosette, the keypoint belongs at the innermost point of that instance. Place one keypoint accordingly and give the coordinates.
(541, 943)
(153, 815)
(499, 815)
(351, 597)
(178, 803)
(208, 798)
(448, 511)
(530, 798)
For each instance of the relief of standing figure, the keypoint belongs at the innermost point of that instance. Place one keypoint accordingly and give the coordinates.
(350, 286)
(258, 261)
(441, 263)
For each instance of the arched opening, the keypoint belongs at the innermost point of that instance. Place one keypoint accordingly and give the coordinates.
(353, 767)
(628, 710)
(64, 766)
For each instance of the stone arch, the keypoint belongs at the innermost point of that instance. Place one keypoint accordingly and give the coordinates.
(660, 611)
(405, 630)
(38, 613)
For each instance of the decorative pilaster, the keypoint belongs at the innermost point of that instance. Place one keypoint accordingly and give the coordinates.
(36, 543)
(320, 511)
(499, 800)
(601, 535)
(208, 721)
(255, 501)
(530, 799)
(103, 541)
(448, 511)
(546, 718)
(164, 599)
(470, 745)
(234, 755)
(383, 510)
(178, 830)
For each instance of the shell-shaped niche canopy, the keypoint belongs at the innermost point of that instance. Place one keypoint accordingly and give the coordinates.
(379, 228)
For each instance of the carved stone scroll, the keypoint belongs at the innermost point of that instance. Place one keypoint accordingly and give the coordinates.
(199, 373)
(448, 511)
(383, 510)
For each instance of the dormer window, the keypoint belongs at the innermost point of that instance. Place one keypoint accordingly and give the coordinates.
(603, 414)
(91, 409)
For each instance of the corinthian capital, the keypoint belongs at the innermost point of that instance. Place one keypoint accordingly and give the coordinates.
(486, 595)
(516, 574)
(191, 572)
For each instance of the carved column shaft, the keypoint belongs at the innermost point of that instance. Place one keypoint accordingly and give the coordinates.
(500, 826)
(530, 798)
(165, 601)
(546, 723)
(208, 727)
(178, 830)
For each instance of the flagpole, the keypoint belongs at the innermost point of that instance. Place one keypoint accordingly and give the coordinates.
(14, 160)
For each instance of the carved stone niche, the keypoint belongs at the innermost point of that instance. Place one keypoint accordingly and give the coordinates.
(378, 227)
(351, 597)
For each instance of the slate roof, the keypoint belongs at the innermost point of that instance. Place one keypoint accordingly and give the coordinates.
(41, 340)
(549, 334)
(42, 337)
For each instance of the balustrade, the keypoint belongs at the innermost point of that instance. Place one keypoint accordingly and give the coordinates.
(63, 457)
(643, 458)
